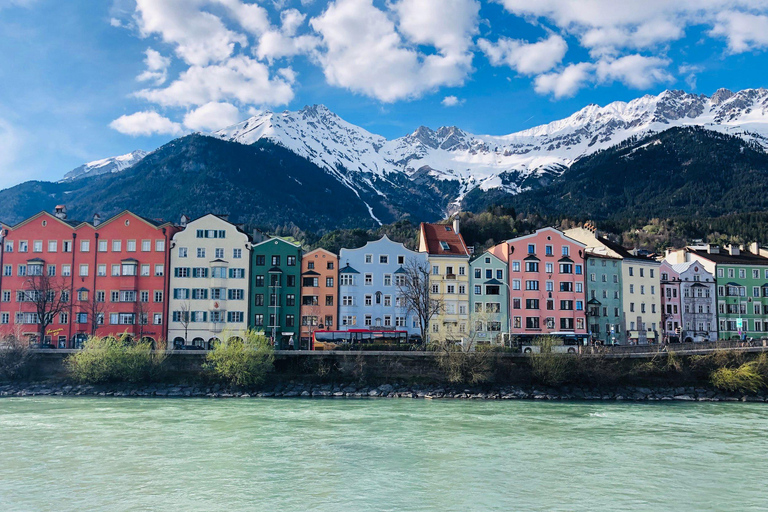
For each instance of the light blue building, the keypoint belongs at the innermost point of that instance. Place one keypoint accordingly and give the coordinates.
(489, 299)
(368, 292)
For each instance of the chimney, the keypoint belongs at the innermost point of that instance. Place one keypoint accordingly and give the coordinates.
(183, 221)
(223, 216)
(60, 212)
(713, 249)
(754, 248)
(96, 219)
(456, 224)
(733, 250)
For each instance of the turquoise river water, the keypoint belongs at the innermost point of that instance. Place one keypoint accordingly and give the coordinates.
(114, 454)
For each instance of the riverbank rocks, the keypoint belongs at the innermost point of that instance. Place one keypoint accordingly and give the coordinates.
(309, 390)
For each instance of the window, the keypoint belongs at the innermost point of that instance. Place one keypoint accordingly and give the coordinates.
(201, 252)
(258, 281)
(566, 305)
(515, 284)
(531, 303)
(144, 296)
(515, 266)
(369, 258)
(346, 280)
(368, 300)
(532, 322)
(158, 296)
(130, 246)
(145, 270)
(129, 269)
(237, 273)
(8, 270)
(83, 270)
(182, 252)
(349, 320)
(383, 259)
(531, 285)
(260, 260)
(531, 266)
(275, 260)
(368, 279)
(66, 270)
(444, 245)
(387, 279)
(37, 246)
(329, 282)
(237, 253)
(23, 246)
(237, 316)
(160, 245)
(310, 282)
(177, 272)
(566, 268)
(146, 245)
(159, 270)
(290, 261)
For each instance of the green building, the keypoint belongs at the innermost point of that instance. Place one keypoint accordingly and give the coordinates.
(275, 290)
(742, 287)
(604, 298)
(489, 298)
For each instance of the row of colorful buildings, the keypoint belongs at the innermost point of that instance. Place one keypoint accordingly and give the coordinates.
(197, 281)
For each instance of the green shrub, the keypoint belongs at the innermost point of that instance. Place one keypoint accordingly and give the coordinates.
(116, 360)
(748, 377)
(551, 368)
(241, 361)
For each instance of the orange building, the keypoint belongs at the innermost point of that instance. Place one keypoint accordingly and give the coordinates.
(319, 293)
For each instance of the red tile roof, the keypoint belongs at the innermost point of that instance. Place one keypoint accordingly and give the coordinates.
(433, 234)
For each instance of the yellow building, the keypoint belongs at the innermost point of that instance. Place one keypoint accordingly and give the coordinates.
(448, 258)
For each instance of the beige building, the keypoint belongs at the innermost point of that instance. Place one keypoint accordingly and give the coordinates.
(448, 258)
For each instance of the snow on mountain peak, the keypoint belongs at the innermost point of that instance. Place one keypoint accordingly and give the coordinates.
(351, 153)
(106, 165)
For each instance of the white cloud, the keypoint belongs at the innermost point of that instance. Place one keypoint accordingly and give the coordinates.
(364, 52)
(212, 116)
(199, 37)
(451, 101)
(607, 26)
(252, 17)
(690, 71)
(565, 83)
(240, 78)
(157, 67)
(276, 44)
(525, 58)
(635, 71)
(145, 123)
(744, 32)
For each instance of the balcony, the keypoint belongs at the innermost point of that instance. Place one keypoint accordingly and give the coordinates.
(450, 277)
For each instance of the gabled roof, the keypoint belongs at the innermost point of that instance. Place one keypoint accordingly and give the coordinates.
(623, 252)
(743, 258)
(222, 219)
(349, 270)
(310, 273)
(494, 281)
(452, 242)
(277, 239)
(275, 270)
(401, 270)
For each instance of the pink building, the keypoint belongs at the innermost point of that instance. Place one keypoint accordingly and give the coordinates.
(671, 307)
(546, 280)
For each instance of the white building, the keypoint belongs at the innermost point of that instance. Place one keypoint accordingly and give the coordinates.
(209, 278)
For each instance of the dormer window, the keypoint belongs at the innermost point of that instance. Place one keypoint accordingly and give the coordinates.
(444, 245)
(447, 228)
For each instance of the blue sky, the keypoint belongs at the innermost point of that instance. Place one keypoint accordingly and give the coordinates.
(87, 79)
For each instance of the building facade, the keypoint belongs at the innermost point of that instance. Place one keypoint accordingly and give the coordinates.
(319, 293)
(640, 287)
(546, 276)
(605, 309)
(489, 298)
(688, 302)
(112, 275)
(275, 291)
(210, 272)
(368, 287)
(741, 277)
(448, 258)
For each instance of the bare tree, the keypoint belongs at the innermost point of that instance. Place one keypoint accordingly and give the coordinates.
(49, 297)
(95, 309)
(413, 288)
(185, 318)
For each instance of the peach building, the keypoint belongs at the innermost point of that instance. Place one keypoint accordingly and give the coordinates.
(319, 296)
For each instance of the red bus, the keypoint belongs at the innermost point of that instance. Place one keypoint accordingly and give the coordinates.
(357, 339)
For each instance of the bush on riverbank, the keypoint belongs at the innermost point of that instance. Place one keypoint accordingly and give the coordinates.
(750, 377)
(116, 360)
(14, 359)
(241, 361)
(551, 368)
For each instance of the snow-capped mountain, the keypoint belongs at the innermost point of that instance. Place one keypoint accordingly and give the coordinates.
(106, 165)
(512, 162)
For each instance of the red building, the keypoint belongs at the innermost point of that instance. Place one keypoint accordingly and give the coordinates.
(111, 275)
(546, 280)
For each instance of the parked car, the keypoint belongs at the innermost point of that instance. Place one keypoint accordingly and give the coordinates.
(46, 346)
